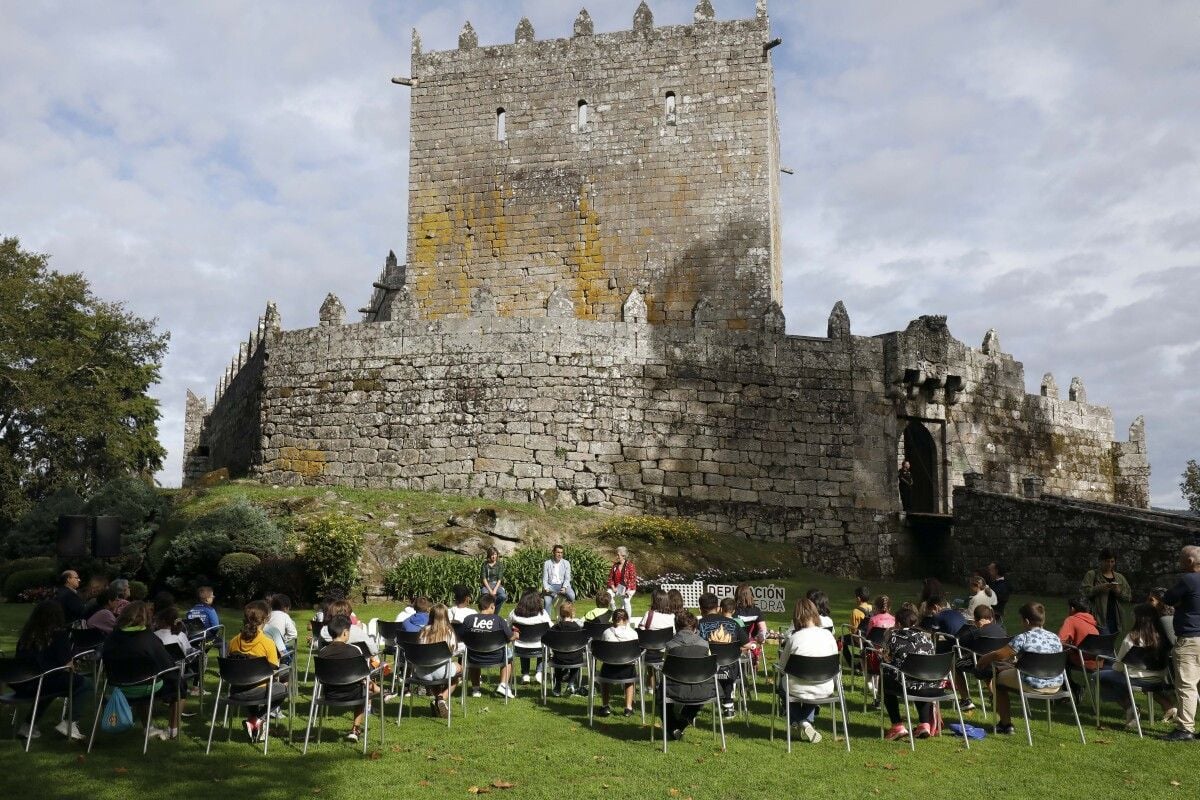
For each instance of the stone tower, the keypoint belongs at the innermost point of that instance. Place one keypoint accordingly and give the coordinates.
(581, 170)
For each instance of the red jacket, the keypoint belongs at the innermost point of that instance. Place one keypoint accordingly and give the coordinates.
(1074, 630)
(626, 577)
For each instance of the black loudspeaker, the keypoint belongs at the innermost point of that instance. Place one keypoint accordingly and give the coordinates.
(73, 536)
(107, 542)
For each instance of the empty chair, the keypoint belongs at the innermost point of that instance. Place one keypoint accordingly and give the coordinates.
(811, 670)
(342, 683)
(686, 681)
(925, 669)
(1046, 666)
(248, 683)
(615, 654)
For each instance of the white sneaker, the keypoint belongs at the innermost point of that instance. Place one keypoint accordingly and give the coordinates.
(1170, 715)
(476, 693)
(525, 679)
(537, 676)
(159, 733)
(504, 690)
(23, 731)
(70, 730)
(808, 733)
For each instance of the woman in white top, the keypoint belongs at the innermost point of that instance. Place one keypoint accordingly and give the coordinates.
(619, 632)
(659, 616)
(281, 619)
(981, 595)
(169, 629)
(808, 638)
(529, 611)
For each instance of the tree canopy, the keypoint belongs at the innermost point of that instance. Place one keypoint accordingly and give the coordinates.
(1189, 484)
(74, 375)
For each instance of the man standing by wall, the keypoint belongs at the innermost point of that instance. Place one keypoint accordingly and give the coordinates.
(556, 578)
(1185, 596)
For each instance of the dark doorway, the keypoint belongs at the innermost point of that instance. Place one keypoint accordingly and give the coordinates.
(920, 451)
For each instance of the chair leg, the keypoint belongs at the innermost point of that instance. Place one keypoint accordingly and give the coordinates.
(96, 721)
(149, 721)
(787, 715)
(912, 740)
(312, 710)
(267, 721)
(774, 710)
(1078, 723)
(845, 717)
(33, 715)
(641, 690)
(213, 723)
(1025, 711)
(591, 694)
(1133, 704)
(720, 718)
(962, 723)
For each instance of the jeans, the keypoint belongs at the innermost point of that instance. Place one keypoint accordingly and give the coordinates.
(800, 711)
(625, 600)
(555, 588)
(500, 596)
(891, 701)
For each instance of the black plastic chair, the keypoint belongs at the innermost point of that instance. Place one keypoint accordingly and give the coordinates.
(692, 671)
(239, 672)
(183, 660)
(556, 643)
(426, 658)
(811, 670)
(653, 642)
(128, 673)
(342, 672)
(482, 644)
(928, 669)
(868, 644)
(595, 628)
(315, 627)
(617, 654)
(1099, 648)
(729, 657)
(528, 643)
(14, 671)
(980, 646)
(1046, 666)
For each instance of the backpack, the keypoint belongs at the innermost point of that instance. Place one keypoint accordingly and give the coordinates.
(118, 716)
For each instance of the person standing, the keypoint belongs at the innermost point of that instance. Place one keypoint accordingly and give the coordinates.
(1107, 589)
(1185, 597)
(622, 581)
(998, 583)
(905, 480)
(67, 596)
(491, 576)
(556, 578)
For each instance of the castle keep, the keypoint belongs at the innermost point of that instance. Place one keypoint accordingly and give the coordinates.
(589, 313)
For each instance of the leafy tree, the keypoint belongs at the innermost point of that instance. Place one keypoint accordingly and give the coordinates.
(1190, 485)
(74, 375)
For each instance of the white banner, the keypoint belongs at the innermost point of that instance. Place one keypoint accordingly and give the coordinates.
(771, 599)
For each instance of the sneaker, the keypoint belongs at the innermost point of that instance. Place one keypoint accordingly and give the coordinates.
(391, 697)
(677, 735)
(1170, 715)
(556, 692)
(729, 712)
(162, 734)
(628, 712)
(504, 690)
(603, 711)
(525, 679)
(352, 736)
(537, 676)
(442, 709)
(1179, 735)
(808, 733)
(23, 731)
(923, 731)
(476, 692)
(70, 730)
(966, 707)
(1003, 729)
(898, 731)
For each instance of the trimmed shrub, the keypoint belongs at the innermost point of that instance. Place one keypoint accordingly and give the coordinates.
(23, 580)
(651, 530)
(332, 545)
(435, 576)
(284, 575)
(36, 533)
(18, 564)
(237, 572)
(138, 590)
(247, 527)
(192, 558)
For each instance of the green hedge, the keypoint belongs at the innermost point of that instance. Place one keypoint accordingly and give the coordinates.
(650, 530)
(436, 576)
(24, 579)
(19, 564)
(237, 571)
(332, 545)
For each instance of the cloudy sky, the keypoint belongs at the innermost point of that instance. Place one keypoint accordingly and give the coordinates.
(1028, 166)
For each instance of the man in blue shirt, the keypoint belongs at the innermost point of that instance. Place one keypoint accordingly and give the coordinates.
(1185, 596)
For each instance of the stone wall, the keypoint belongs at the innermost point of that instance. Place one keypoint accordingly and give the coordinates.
(668, 187)
(233, 430)
(1049, 543)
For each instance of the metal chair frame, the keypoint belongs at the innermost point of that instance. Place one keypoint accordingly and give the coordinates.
(811, 669)
(680, 663)
(415, 655)
(1043, 665)
(618, 654)
(226, 666)
(13, 672)
(927, 668)
(151, 679)
(320, 706)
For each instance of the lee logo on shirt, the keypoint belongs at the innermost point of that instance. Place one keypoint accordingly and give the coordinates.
(483, 625)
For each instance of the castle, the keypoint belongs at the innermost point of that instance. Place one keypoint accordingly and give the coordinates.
(589, 312)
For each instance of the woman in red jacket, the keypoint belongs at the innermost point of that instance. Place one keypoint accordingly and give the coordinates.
(622, 581)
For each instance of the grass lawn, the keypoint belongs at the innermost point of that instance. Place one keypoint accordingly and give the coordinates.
(551, 753)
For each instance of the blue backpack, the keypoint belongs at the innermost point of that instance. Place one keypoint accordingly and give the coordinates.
(118, 716)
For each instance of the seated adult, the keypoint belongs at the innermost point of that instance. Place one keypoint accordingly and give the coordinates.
(808, 638)
(67, 596)
(358, 632)
(529, 611)
(121, 587)
(417, 620)
(1152, 672)
(440, 630)
(44, 644)
(340, 647)
(1033, 639)
(686, 642)
(1078, 625)
(253, 642)
(984, 626)
(487, 620)
(903, 640)
(104, 618)
(132, 638)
